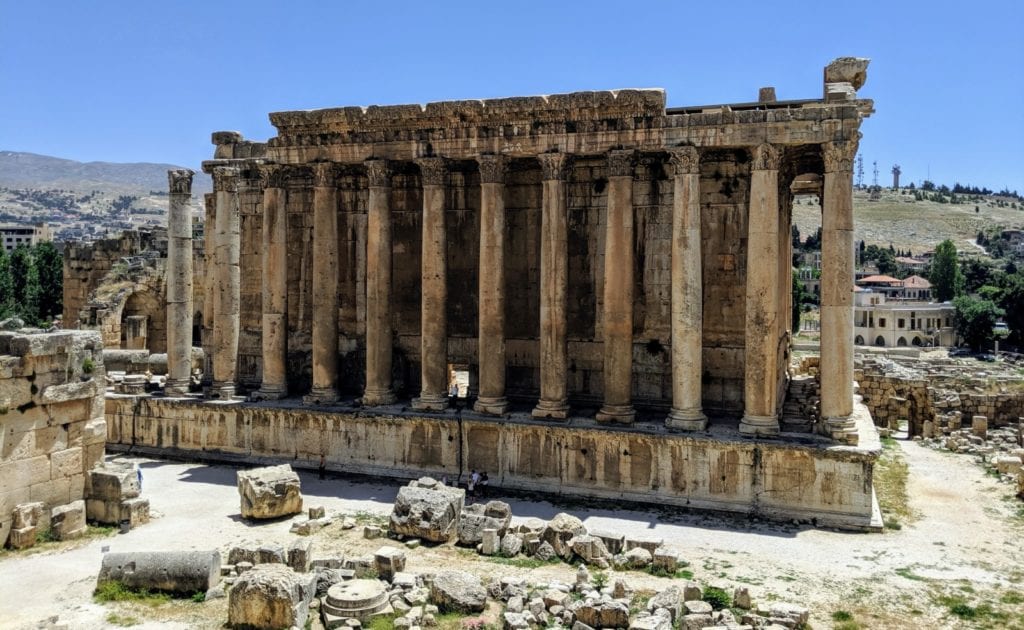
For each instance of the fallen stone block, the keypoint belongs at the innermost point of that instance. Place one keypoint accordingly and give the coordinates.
(271, 554)
(178, 572)
(113, 482)
(428, 510)
(300, 554)
(671, 600)
(270, 492)
(667, 560)
(560, 530)
(602, 614)
(29, 515)
(68, 521)
(650, 543)
(388, 561)
(475, 518)
(458, 591)
(270, 596)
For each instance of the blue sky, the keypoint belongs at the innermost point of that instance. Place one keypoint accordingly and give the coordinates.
(148, 81)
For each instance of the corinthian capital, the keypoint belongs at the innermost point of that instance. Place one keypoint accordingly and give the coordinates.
(225, 179)
(766, 157)
(555, 166)
(272, 175)
(433, 171)
(620, 163)
(179, 181)
(324, 175)
(379, 173)
(492, 168)
(685, 160)
(839, 155)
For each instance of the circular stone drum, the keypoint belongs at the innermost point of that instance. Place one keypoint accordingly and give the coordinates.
(355, 599)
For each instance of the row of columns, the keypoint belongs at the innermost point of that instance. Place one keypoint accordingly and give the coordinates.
(765, 310)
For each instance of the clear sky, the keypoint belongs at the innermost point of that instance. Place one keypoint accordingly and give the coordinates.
(141, 80)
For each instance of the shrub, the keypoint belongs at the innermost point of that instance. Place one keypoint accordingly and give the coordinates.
(717, 597)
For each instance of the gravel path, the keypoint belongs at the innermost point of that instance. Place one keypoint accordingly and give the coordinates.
(964, 531)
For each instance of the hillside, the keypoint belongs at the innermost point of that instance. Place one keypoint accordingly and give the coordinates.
(30, 170)
(914, 225)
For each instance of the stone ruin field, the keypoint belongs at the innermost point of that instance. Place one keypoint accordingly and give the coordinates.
(950, 555)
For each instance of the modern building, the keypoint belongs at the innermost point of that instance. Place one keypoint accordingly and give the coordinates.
(28, 235)
(879, 321)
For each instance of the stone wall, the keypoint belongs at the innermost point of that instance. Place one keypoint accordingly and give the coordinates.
(86, 264)
(812, 479)
(52, 428)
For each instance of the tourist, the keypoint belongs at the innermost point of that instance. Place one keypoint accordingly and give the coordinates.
(483, 484)
(474, 479)
(138, 472)
(322, 468)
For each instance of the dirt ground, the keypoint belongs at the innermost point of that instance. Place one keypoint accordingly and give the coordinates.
(957, 562)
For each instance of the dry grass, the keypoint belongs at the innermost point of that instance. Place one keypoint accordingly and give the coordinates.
(891, 473)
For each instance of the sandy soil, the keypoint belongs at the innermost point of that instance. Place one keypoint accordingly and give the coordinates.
(965, 539)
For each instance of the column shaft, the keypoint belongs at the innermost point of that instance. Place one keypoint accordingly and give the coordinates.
(378, 287)
(687, 294)
(275, 286)
(837, 291)
(554, 286)
(492, 287)
(434, 290)
(227, 254)
(760, 416)
(325, 287)
(179, 282)
(618, 292)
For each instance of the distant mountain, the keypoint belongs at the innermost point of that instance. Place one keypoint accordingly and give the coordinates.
(30, 170)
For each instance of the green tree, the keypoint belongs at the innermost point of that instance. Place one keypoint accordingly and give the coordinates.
(30, 305)
(1012, 301)
(6, 285)
(799, 295)
(21, 261)
(50, 264)
(974, 320)
(944, 273)
(976, 274)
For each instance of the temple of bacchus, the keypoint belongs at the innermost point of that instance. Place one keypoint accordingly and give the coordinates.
(612, 275)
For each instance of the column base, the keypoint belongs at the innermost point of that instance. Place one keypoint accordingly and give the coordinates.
(553, 409)
(493, 406)
(321, 396)
(430, 402)
(222, 390)
(622, 414)
(269, 392)
(177, 388)
(842, 429)
(686, 420)
(378, 398)
(759, 425)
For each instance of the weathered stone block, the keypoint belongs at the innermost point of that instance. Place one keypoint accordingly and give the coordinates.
(270, 492)
(429, 512)
(458, 591)
(478, 517)
(68, 521)
(389, 561)
(270, 596)
(112, 483)
(300, 554)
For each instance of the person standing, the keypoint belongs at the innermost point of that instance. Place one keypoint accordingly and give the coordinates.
(483, 484)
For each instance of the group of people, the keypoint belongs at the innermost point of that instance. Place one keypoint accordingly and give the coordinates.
(476, 486)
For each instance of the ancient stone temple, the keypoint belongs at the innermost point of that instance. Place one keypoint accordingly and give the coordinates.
(612, 274)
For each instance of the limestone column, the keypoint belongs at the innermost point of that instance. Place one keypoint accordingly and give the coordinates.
(554, 286)
(179, 282)
(687, 294)
(760, 416)
(378, 286)
(837, 290)
(618, 291)
(325, 286)
(227, 254)
(434, 291)
(275, 285)
(491, 352)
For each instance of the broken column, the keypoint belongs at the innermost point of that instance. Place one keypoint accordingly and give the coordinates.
(434, 291)
(178, 572)
(325, 286)
(837, 290)
(554, 286)
(227, 256)
(760, 416)
(491, 350)
(179, 282)
(275, 284)
(618, 292)
(378, 286)
(687, 294)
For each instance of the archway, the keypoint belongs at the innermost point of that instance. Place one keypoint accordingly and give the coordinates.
(880, 341)
(901, 342)
(858, 340)
(144, 322)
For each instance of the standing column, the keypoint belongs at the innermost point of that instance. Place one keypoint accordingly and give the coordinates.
(434, 290)
(618, 291)
(275, 285)
(760, 416)
(554, 286)
(687, 294)
(837, 290)
(378, 286)
(227, 244)
(492, 286)
(209, 281)
(179, 282)
(325, 287)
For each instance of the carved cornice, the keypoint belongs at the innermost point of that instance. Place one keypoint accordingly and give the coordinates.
(555, 166)
(620, 163)
(767, 157)
(685, 160)
(272, 175)
(839, 155)
(179, 181)
(492, 168)
(225, 179)
(324, 174)
(379, 173)
(433, 170)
